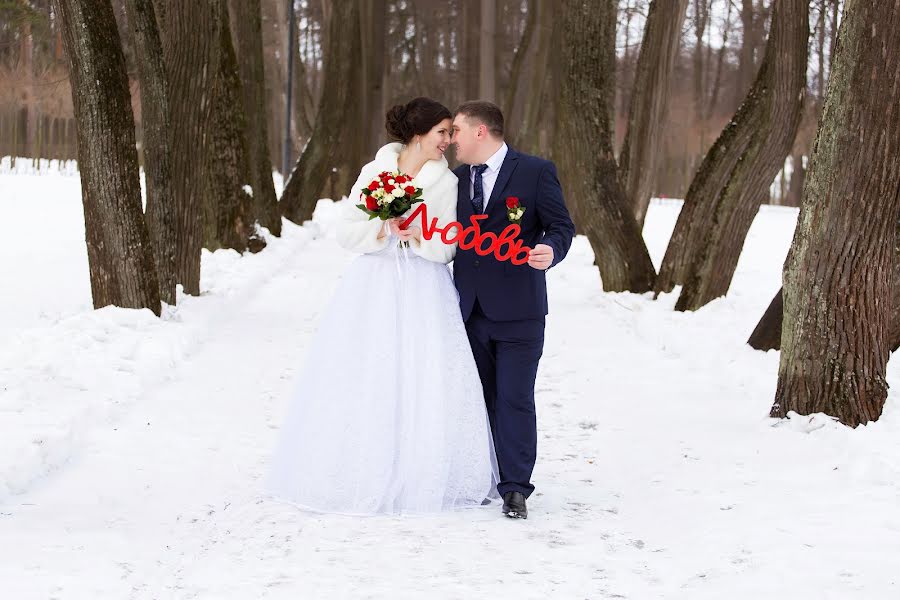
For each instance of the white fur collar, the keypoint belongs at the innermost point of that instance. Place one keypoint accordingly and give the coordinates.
(430, 173)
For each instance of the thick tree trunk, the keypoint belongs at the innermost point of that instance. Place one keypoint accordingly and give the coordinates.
(798, 177)
(189, 35)
(649, 102)
(487, 78)
(736, 173)
(375, 36)
(229, 217)
(515, 73)
(767, 335)
(584, 143)
(246, 20)
(894, 337)
(528, 134)
(471, 39)
(161, 211)
(746, 58)
(342, 63)
(120, 256)
(838, 279)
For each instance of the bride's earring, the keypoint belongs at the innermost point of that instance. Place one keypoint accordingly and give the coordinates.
(418, 146)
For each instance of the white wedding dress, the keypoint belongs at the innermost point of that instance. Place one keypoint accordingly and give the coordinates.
(388, 414)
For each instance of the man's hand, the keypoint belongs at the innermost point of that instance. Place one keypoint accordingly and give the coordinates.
(540, 257)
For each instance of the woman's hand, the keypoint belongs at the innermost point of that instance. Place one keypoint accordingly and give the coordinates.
(393, 227)
(411, 233)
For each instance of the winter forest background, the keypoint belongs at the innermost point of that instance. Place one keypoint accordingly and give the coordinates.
(718, 413)
(431, 48)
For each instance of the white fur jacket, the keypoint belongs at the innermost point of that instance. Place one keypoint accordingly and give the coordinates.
(357, 233)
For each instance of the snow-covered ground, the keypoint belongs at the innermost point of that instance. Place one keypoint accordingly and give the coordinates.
(131, 448)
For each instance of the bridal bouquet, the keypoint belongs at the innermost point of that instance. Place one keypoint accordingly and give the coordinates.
(389, 195)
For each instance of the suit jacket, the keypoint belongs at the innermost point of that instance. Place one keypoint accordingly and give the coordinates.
(508, 292)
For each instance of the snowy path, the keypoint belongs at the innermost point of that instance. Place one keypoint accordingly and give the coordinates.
(659, 474)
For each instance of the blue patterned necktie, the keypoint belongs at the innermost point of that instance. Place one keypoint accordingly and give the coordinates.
(478, 196)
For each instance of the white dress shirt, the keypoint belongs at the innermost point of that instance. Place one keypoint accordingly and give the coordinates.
(489, 177)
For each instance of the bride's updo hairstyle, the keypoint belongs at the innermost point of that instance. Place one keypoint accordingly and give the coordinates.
(416, 117)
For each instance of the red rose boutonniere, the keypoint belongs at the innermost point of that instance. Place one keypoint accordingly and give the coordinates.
(514, 210)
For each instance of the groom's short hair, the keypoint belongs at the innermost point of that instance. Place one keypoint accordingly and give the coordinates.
(487, 113)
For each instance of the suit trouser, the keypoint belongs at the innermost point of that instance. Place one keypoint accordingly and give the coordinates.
(507, 354)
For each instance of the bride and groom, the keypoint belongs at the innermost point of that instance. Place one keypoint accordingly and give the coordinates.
(417, 393)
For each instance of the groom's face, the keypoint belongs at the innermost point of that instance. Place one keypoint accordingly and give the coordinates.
(466, 137)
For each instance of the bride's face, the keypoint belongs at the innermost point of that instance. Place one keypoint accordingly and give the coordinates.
(435, 142)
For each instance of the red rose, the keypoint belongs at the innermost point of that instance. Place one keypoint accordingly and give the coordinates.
(388, 188)
(371, 203)
(400, 179)
(409, 190)
(373, 186)
(512, 202)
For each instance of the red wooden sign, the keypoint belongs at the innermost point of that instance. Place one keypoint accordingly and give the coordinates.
(503, 246)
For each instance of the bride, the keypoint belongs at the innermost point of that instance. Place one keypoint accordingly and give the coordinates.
(388, 414)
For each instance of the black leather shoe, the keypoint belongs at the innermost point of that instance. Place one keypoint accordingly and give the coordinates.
(514, 505)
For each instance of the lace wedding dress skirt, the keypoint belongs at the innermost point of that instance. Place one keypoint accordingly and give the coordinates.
(388, 414)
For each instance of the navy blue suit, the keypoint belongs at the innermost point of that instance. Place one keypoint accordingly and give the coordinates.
(504, 305)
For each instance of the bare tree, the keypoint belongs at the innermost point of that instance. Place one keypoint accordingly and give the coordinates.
(737, 171)
(161, 211)
(518, 62)
(838, 279)
(189, 34)
(229, 220)
(487, 80)
(120, 256)
(749, 43)
(535, 99)
(649, 102)
(471, 38)
(246, 21)
(373, 100)
(342, 63)
(584, 143)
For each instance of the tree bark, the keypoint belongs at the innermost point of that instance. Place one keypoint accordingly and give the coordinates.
(246, 20)
(512, 92)
(528, 134)
(798, 176)
(375, 23)
(229, 217)
(649, 102)
(736, 173)
(487, 78)
(471, 40)
(701, 19)
(120, 256)
(342, 61)
(160, 214)
(584, 143)
(189, 35)
(894, 337)
(746, 58)
(838, 278)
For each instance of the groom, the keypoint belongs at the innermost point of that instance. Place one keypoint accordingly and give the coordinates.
(502, 304)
